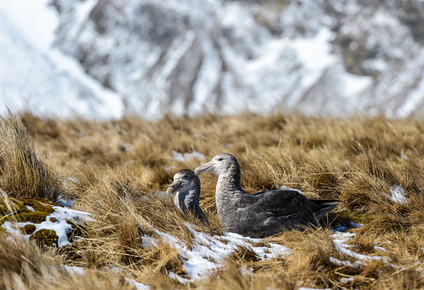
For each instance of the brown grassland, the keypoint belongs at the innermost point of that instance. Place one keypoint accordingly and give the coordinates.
(108, 166)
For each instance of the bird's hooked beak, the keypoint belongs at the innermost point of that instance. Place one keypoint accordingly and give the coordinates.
(207, 167)
(174, 184)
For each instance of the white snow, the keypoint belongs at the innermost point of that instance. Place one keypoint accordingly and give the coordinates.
(354, 85)
(148, 241)
(207, 253)
(414, 98)
(74, 270)
(83, 10)
(403, 155)
(315, 57)
(244, 66)
(30, 207)
(111, 102)
(340, 238)
(337, 262)
(343, 250)
(345, 280)
(380, 249)
(247, 271)
(314, 52)
(208, 76)
(12, 228)
(35, 19)
(397, 194)
(183, 157)
(35, 76)
(138, 285)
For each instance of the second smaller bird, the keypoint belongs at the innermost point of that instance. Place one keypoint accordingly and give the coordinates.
(185, 191)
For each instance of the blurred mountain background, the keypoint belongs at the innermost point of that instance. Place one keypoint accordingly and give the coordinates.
(110, 58)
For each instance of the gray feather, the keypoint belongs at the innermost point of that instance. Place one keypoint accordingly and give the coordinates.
(186, 192)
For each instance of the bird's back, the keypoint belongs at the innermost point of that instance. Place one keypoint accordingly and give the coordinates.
(269, 212)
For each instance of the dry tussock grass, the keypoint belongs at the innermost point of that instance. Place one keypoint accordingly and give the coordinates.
(22, 172)
(24, 266)
(111, 169)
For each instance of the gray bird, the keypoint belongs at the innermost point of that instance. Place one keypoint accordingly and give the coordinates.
(264, 213)
(186, 191)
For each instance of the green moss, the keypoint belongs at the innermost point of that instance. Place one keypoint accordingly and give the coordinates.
(38, 204)
(32, 200)
(33, 217)
(363, 219)
(355, 216)
(23, 214)
(16, 208)
(70, 253)
(45, 237)
(29, 229)
(38, 212)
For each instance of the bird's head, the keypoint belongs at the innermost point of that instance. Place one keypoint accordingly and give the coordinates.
(182, 179)
(218, 165)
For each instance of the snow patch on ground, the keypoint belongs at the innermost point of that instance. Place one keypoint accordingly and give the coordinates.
(397, 194)
(75, 270)
(346, 280)
(60, 226)
(340, 238)
(30, 207)
(183, 157)
(138, 285)
(207, 253)
(378, 248)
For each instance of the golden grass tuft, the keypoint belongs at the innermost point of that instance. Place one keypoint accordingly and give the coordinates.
(24, 266)
(22, 172)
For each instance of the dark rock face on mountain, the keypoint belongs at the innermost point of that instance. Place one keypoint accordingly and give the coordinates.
(317, 56)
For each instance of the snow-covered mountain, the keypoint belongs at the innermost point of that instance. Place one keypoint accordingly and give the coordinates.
(147, 57)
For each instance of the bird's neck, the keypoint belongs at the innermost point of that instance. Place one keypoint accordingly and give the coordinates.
(229, 181)
(228, 193)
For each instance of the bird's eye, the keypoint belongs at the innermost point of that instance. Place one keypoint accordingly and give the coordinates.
(220, 159)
